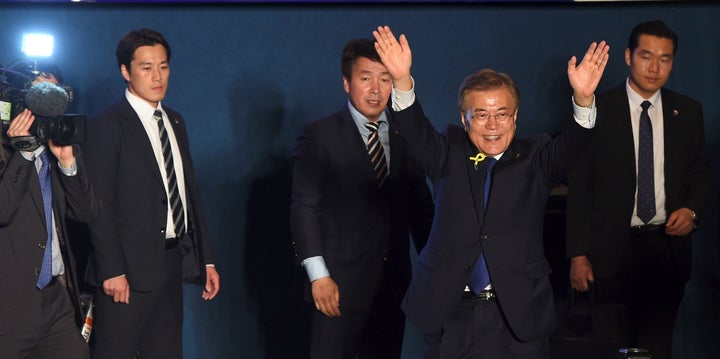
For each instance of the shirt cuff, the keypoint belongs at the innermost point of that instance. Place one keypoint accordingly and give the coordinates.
(585, 116)
(315, 268)
(403, 99)
(72, 171)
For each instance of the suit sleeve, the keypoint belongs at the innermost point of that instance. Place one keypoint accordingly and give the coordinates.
(579, 203)
(309, 170)
(426, 146)
(102, 151)
(79, 193)
(699, 167)
(202, 232)
(421, 207)
(14, 181)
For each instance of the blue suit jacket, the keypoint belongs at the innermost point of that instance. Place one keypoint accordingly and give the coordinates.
(509, 231)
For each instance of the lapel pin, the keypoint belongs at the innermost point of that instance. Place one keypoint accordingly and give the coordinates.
(478, 158)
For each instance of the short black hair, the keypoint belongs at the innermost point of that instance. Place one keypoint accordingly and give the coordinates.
(653, 28)
(354, 49)
(125, 51)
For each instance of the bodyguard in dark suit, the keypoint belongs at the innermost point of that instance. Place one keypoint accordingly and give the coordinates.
(40, 318)
(356, 197)
(481, 287)
(151, 211)
(644, 263)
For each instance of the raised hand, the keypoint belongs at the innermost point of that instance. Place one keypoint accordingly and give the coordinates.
(585, 77)
(395, 55)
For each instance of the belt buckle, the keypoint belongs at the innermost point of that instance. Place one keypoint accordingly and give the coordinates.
(486, 295)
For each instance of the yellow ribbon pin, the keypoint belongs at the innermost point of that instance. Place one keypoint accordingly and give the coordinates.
(478, 158)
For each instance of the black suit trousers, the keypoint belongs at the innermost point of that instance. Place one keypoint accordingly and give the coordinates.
(373, 332)
(56, 335)
(150, 326)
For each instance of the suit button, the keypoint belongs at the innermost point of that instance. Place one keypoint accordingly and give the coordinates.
(41, 245)
(467, 268)
(162, 230)
(385, 259)
(484, 237)
(36, 272)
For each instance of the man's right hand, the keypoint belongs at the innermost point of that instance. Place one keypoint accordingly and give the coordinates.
(580, 273)
(20, 125)
(118, 288)
(326, 296)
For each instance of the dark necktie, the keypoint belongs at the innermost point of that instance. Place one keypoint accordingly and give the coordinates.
(376, 152)
(646, 173)
(176, 205)
(46, 189)
(480, 278)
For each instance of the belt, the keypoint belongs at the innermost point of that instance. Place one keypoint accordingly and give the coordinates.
(485, 295)
(171, 243)
(57, 279)
(648, 229)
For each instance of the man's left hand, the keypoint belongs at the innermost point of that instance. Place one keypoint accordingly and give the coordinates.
(212, 284)
(584, 78)
(680, 223)
(64, 154)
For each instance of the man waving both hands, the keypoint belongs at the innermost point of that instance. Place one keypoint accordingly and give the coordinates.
(481, 287)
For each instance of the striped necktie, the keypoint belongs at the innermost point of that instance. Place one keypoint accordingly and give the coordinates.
(376, 152)
(178, 213)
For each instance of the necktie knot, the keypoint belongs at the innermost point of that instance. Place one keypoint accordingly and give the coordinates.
(157, 115)
(645, 105)
(372, 126)
(491, 162)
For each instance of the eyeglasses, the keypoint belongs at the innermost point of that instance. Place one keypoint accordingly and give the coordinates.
(482, 117)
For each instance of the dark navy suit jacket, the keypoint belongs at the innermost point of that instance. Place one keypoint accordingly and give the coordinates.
(338, 212)
(510, 231)
(602, 186)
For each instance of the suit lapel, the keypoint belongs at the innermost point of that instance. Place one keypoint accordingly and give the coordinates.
(476, 178)
(135, 130)
(178, 127)
(672, 126)
(36, 192)
(355, 148)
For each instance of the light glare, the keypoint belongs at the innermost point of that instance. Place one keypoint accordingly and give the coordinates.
(37, 45)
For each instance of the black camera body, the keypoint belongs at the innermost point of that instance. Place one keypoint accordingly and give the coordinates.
(47, 103)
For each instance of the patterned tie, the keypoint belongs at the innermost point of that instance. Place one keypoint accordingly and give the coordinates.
(376, 152)
(46, 188)
(646, 173)
(178, 213)
(480, 278)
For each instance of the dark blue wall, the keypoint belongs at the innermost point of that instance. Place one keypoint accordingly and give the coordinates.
(246, 77)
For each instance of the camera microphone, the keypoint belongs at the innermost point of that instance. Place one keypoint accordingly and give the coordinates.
(46, 99)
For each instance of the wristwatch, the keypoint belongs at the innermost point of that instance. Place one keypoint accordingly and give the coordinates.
(694, 215)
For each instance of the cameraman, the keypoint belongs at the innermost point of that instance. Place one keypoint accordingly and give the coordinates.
(40, 188)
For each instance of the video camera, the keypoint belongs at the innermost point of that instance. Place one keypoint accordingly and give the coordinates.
(47, 102)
